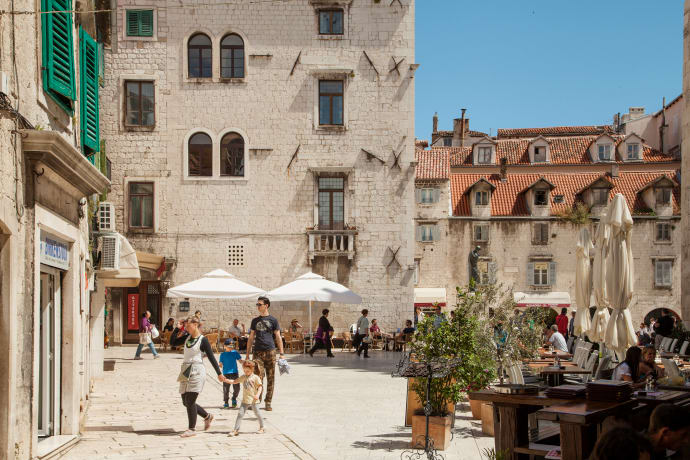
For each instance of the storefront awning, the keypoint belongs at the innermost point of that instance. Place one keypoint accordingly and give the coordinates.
(547, 299)
(128, 274)
(429, 295)
(149, 261)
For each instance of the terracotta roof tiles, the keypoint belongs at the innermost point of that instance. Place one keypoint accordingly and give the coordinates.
(432, 165)
(554, 131)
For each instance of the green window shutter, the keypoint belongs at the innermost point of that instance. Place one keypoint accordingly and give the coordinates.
(140, 23)
(58, 52)
(88, 66)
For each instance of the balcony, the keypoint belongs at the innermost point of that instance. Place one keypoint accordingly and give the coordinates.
(331, 243)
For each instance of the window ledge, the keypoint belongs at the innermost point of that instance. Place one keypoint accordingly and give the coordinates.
(233, 80)
(331, 128)
(215, 179)
(663, 242)
(663, 288)
(330, 37)
(427, 242)
(143, 129)
(140, 231)
(198, 80)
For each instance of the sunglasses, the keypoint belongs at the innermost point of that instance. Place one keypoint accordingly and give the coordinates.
(259, 305)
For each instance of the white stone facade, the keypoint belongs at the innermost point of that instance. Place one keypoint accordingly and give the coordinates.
(275, 110)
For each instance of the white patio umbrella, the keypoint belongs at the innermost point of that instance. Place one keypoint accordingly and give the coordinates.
(312, 287)
(217, 284)
(597, 329)
(620, 333)
(583, 282)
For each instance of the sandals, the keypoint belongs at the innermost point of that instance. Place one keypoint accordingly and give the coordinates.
(260, 431)
(207, 422)
(188, 434)
(234, 433)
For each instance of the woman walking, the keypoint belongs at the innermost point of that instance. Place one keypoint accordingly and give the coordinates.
(323, 335)
(145, 327)
(193, 373)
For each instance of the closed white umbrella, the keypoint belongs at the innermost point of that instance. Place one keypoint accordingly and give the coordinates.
(583, 282)
(217, 284)
(597, 329)
(312, 287)
(620, 333)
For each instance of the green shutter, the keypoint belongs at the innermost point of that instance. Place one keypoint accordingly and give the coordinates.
(88, 85)
(139, 23)
(58, 52)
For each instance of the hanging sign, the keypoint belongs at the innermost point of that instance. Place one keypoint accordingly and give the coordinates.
(132, 312)
(54, 252)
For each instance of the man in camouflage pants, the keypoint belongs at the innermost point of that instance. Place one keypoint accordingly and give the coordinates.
(263, 336)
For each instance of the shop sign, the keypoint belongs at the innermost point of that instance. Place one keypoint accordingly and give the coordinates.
(54, 252)
(132, 312)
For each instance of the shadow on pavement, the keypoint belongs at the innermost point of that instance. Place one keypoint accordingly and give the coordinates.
(382, 362)
(381, 444)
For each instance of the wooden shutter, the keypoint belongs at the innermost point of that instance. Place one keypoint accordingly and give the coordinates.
(58, 54)
(435, 232)
(88, 85)
(530, 274)
(436, 195)
(146, 23)
(418, 195)
(552, 273)
(418, 233)
(492, 272)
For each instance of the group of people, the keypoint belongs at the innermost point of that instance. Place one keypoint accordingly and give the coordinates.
(657, 330)
(638, 366)
(365, 332)
(665, 438)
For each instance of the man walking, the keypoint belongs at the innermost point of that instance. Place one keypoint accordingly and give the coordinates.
(263, 336)
(562, 322)
(571, 325)
(362, 332)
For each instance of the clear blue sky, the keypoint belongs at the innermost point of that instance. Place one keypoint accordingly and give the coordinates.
(533, 63)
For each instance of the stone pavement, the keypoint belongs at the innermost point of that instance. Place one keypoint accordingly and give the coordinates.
(340, 408)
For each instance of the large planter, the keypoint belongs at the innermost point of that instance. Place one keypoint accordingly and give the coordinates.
(439, 431)
(488, 419)
(476, 408)
(415, 405)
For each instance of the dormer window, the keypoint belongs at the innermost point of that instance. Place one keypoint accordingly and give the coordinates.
(541, 198)
(663, 196)
(484, 155)
(447, 141)
(600, 196)
(633, 151)
(604, 152)
(481, 198)
(540, 154)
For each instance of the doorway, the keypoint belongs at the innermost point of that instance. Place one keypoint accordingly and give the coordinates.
(49, 359)
(134, 302)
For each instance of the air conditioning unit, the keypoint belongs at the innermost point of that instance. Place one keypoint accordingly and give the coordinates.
(110, 252)
(106, 217)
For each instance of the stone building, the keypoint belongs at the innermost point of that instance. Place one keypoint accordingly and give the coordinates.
(516, 196)
(685, 221)
(49, 144)
(267, 139)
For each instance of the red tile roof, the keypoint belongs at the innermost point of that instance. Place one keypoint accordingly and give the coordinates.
(432, 165)
(508, 199)
(563, 151)
(468, 133)
(554, 131)
(421, 143)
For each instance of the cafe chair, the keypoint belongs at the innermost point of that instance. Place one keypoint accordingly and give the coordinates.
(165, 339)
(295, 341)
(603, 366)
(673, 345)
(666, 344)
(589, 366)
(213, 340)
(515, 374)
(347, 341)
(683, 348)
(670, 367)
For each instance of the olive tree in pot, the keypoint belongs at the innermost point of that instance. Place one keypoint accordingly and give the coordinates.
(440, 340)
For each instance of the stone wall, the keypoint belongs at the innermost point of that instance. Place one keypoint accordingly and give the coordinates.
(685, 154)
(274, 109)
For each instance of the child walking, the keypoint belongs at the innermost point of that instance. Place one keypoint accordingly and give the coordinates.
(251, 389)
(228, 363)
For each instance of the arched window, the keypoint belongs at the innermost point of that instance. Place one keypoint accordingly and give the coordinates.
(232, 155)
(200, 155)
(199, 56)
(232, 57)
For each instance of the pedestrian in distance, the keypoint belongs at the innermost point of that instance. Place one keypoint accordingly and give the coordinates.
(251, 391)
(193, 373)
(145, 327)
(228, 364)
(263, 336)
(562, 322)
(239, 334)
(360, 341)
(323, 335)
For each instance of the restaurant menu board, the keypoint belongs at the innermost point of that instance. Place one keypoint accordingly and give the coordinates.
(132, 312)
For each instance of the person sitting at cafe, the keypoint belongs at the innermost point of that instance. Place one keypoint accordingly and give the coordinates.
(621, 442)
(669, 429)
(294, 326)
(408, 329)
(643, 337)
(629, 369)
(555, 338)
(663, 327)
(170, 325)
(647, 365)
(235, 332)
(178, 331)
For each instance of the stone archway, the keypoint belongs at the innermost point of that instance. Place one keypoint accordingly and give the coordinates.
(656, 313)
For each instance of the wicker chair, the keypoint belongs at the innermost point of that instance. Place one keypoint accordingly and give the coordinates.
(347, 341)
(213, 340)
(165, 339)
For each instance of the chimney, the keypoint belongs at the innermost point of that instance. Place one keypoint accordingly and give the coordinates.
(435, 124)
(504, 169)
(463, 128)
(614, 170)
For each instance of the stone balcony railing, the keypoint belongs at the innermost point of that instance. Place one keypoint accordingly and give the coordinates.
(331, 243)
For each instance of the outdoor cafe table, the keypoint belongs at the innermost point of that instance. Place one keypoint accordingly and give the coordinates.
(579, 421)
(662, 396)
(555, 374)
(547, 354)
(683, 388)
(511, 426)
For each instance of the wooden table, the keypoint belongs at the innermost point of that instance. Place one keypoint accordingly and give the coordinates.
(511, 425)
(579, 423)
(666, 396)
(555, 374)
(561, 354)
(674, 387)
